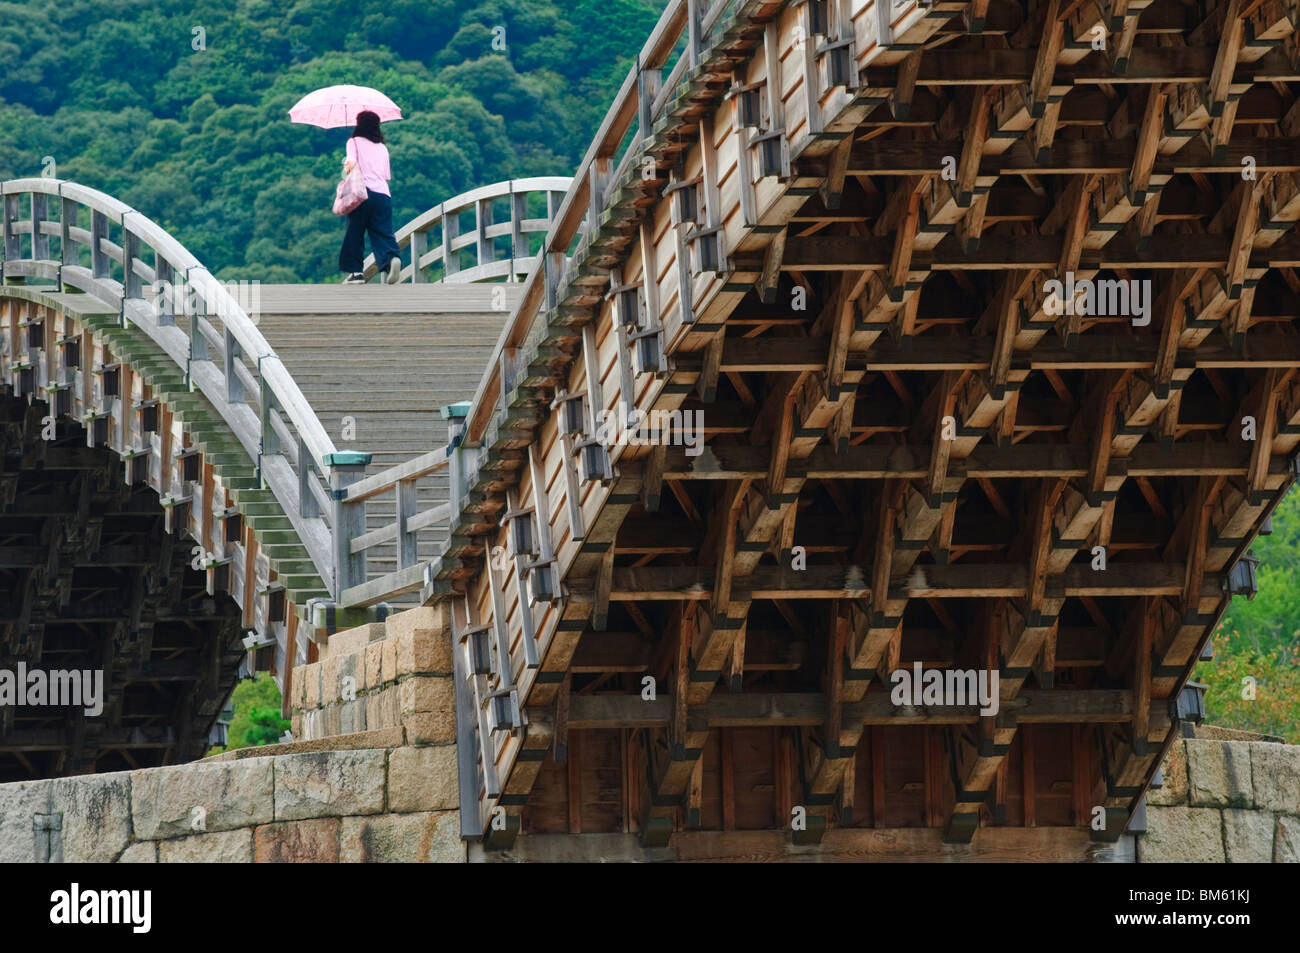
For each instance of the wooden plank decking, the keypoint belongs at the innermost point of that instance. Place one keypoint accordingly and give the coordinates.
(388, 357)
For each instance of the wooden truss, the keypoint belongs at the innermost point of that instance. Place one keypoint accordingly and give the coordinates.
(912, 449)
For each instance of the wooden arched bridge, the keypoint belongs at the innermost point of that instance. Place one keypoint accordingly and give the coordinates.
(868, 337)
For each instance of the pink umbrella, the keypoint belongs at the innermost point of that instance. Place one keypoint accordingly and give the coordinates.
(336, 106)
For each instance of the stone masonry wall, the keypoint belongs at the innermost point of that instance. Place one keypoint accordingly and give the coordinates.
(373, 776)
(1225, 801)
(369, 804)
(391, 674)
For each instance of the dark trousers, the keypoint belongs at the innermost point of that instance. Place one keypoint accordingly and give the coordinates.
(374, 215)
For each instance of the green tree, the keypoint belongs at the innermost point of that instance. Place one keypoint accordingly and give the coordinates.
(257, 718)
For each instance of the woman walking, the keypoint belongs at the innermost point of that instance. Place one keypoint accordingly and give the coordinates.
(375, 215)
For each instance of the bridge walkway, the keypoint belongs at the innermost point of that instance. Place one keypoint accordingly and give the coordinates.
(377, 363)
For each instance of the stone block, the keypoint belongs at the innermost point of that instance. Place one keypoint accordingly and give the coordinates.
(1276, 768)
(222, 847)
(355, 640)
(382, 709)
(352, 716)
(229, 795)
(310, 685)
(423, 779)
(342, 678)
(427, 693)
(425, 620)
(430, 727)
(329, 720)
(1218, 774)
(297, 842)
(1174, 788)
(388, 661)
(1248, 836)
(96, 816)
(1182, 835)
(420, 654)
(1286, 840)
(311, 726)
(20, 802)
(143, 853)
(374, 665)
(403, 838)
(329, 784)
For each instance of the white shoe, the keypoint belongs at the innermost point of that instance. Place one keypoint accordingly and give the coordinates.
(394, 271)
(356, 278)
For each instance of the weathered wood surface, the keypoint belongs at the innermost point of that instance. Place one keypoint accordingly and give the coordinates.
(878, 279)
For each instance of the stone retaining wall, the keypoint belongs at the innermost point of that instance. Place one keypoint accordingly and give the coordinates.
(1225, 801)
(370, 804)
(391, 674)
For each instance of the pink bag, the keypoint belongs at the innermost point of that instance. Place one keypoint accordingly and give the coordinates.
(351, 192)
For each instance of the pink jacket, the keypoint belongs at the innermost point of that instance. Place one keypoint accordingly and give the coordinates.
(373, 159)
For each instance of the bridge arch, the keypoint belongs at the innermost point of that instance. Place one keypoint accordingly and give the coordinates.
(122, 332)
(113, 334)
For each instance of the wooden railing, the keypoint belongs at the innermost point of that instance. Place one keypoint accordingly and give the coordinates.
(161, 289)
(435, 243)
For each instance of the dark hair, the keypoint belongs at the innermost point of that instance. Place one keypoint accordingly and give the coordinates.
(368, 127)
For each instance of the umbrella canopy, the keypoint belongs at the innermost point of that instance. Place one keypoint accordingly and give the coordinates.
(336, 106)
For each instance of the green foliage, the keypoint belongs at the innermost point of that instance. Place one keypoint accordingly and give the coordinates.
(200, 140)
(1260, 639)
(1252, 689)
(1272, 619)
(257, 718)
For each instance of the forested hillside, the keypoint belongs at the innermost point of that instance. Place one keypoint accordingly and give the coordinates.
(180, 107)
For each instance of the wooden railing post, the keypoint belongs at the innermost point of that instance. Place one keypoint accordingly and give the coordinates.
(307, 505)
(518, 243)
(694, 41)
(648, 84)
(98, 235)
(417, 252)
(164, 278)
(483, 248)
(130, 252)
(12, 246)
(455, 415)
(407, 506)
(450, 231)
(234, 386)
(270, 439)
(67, 246)
(40, 241)
(349, 520)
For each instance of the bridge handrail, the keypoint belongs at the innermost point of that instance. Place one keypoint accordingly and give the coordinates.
(597, 169)
(414, 237)
(225, 382)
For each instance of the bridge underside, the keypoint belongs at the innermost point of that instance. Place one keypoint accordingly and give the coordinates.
(92, 580)
(916, 456)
